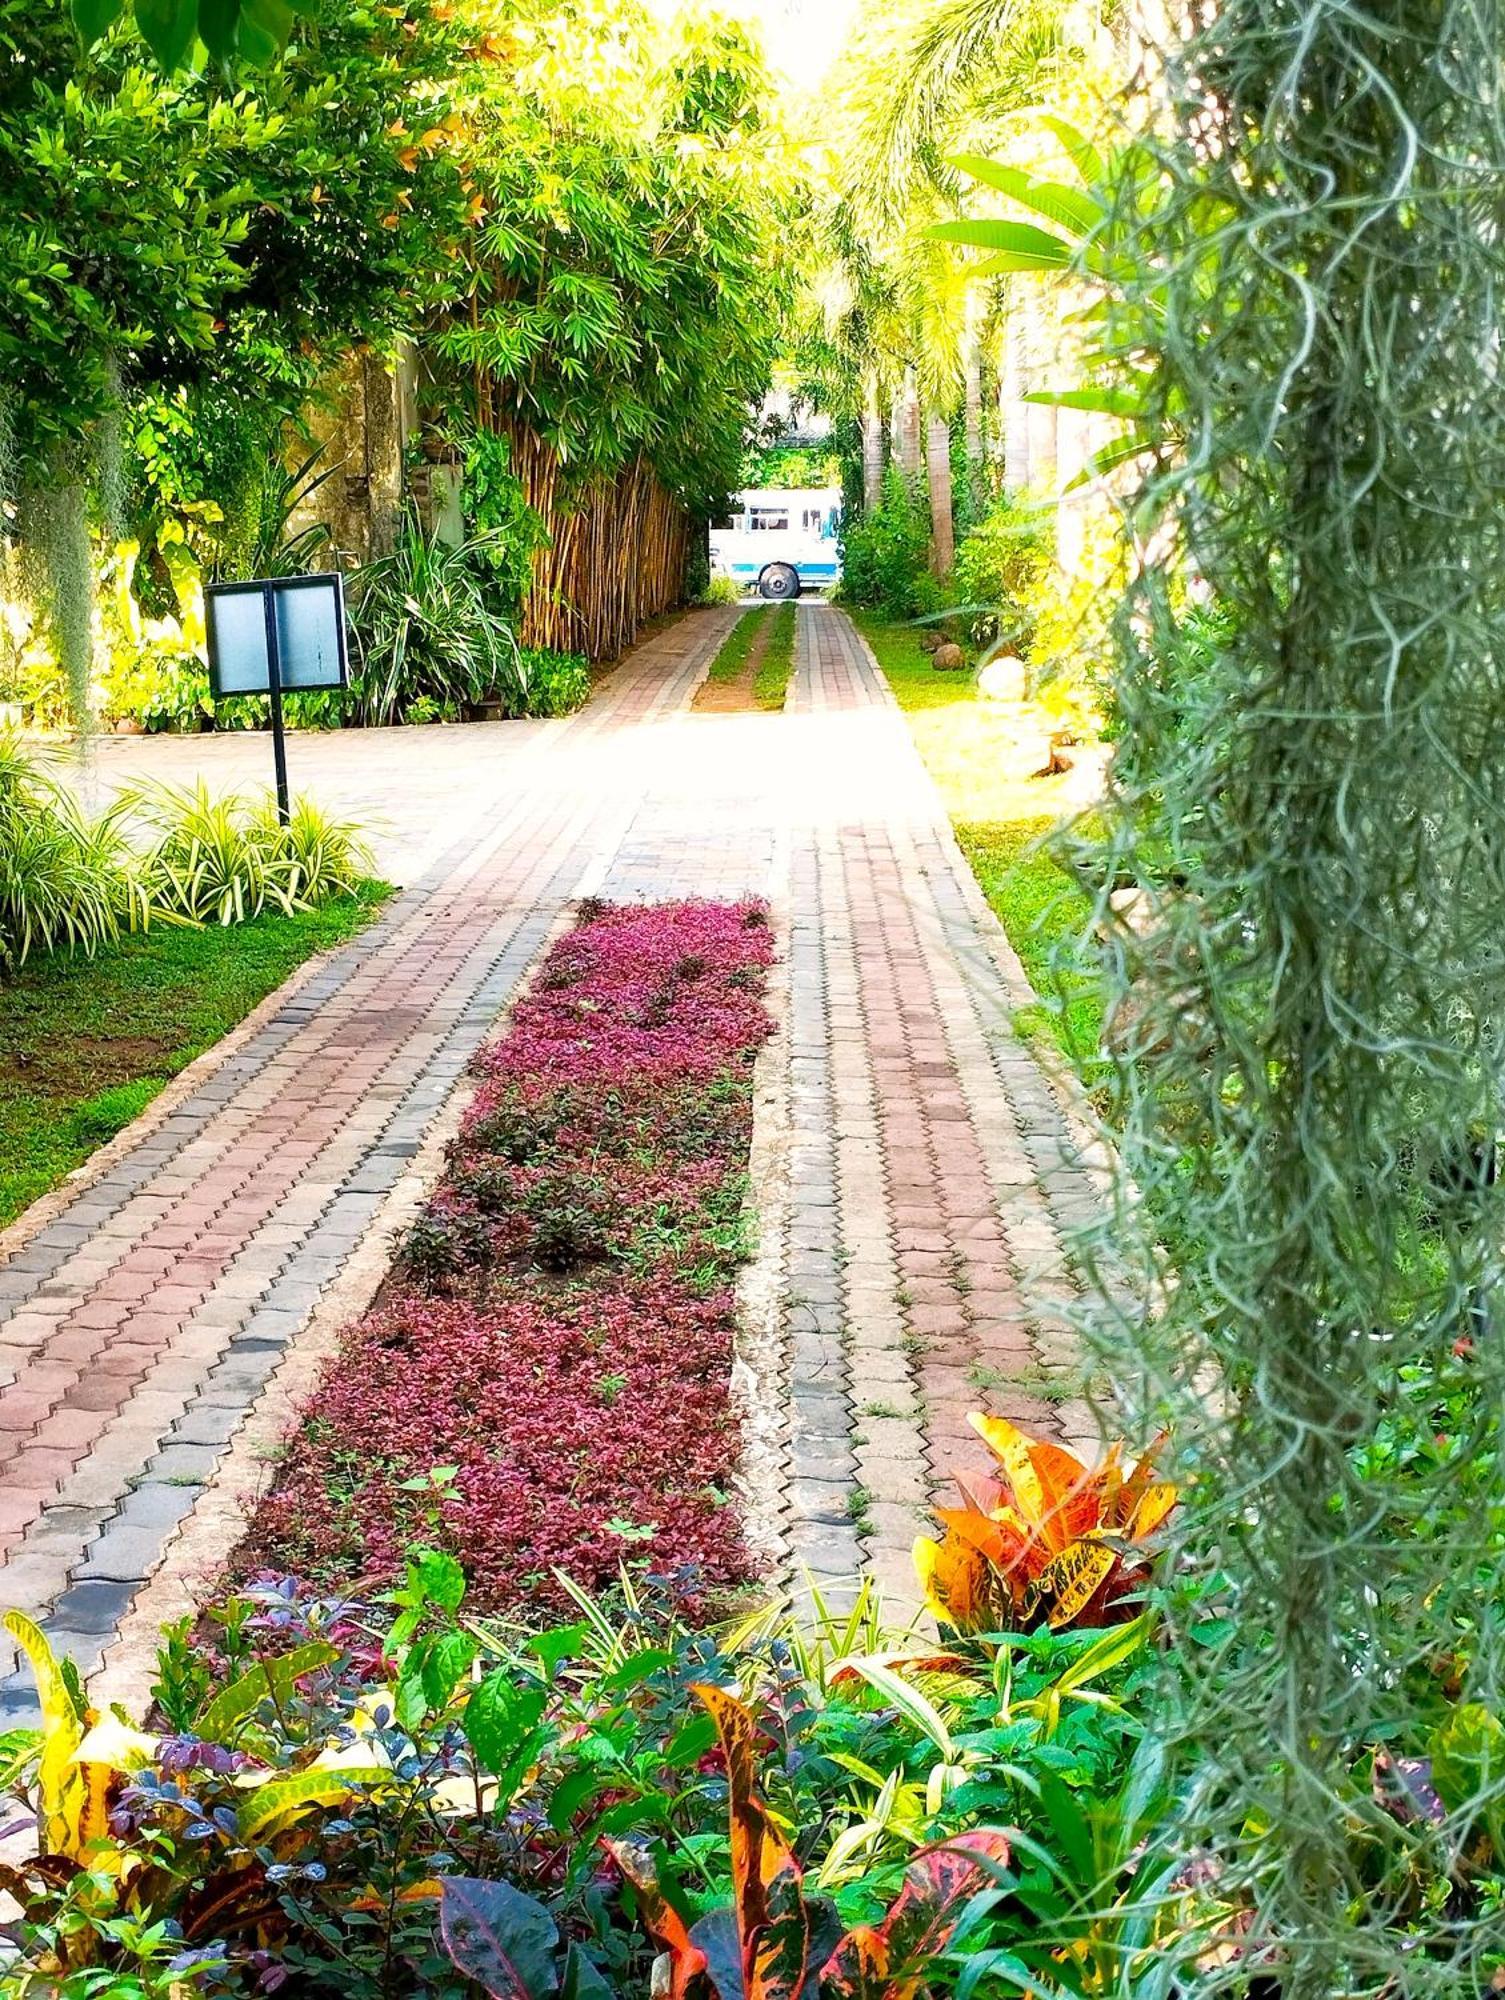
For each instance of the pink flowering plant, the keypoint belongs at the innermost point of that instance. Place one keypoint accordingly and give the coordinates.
(544, 1384)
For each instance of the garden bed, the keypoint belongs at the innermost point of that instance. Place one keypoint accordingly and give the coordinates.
(87, 1043)
(545, 1380)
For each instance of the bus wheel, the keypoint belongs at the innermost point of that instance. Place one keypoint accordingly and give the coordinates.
(779, 582)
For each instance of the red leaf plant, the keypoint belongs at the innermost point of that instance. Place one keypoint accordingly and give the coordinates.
(557, 1338)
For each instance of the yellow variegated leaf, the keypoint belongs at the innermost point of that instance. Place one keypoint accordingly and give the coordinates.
(60, 1783)
(1011, 1448)
(1150, 1511)
(272, 1678)
(1069, 1584)
(289, 1798)
(115, 1744)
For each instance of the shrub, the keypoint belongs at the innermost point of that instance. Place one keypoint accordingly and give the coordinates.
(1003, 564)
(427, 632)
(551, 683)
(1053, 1541)
(65, 879)
(332, 1788)
(224, 860)
(722, 590)
(885, 554)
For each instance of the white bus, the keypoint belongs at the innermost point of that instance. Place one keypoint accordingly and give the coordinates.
(780, 543)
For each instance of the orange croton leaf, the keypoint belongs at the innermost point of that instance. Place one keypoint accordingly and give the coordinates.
(663, 1922)
(1011, 1448)
(773, 1919)
(1073, 1580)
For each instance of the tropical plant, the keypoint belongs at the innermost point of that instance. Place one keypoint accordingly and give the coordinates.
(426, 633)
(1053, 1540)
(771, 1939)
(66, 880)
(224, 860)
(885, 553)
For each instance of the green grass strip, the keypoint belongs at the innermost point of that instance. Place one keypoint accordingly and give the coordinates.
(86, 1044)
(735, 648)
(772, 682)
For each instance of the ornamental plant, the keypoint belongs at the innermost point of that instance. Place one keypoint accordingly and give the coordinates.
(1052, 1540)
(372, 1798)
(574, 1272)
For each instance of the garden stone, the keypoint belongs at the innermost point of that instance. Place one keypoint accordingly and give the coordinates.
(949, 659)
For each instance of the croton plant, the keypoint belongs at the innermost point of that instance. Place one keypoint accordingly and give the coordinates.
(1050, 1540)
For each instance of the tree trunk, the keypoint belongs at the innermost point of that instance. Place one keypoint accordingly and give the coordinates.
(872, 445)
(972, 380)
(938, 469)
(1013, 411)
(908, 425)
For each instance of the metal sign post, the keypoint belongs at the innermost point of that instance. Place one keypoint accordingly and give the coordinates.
(275, 636)
(274, 689)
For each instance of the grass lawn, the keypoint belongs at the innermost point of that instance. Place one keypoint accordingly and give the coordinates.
(1000, 822)
(86, 1044)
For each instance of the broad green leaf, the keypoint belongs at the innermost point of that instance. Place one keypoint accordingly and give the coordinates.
(95, 18)
(219, 21)
(274, 1678)
(169, 28)
(445, 1664)
(1007, 239)
(501, 1722)
(1103, 402)
(1135, 445)
(1079, 149)
(1067, 207)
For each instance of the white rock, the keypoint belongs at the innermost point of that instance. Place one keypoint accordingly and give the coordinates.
(1003, 679)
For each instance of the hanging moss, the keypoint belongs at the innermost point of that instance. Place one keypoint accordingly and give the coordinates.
(1311, 1049)
(55, 528)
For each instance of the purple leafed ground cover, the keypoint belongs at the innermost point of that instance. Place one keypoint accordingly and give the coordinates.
(545, 1381)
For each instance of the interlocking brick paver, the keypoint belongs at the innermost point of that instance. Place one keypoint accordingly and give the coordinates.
(928, 1186)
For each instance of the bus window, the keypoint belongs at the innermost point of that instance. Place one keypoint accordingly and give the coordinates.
(769, 521)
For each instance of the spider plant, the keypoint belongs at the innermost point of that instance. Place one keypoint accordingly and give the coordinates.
(66, 880)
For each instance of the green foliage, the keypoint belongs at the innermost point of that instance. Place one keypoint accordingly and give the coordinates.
(1317, 1039)
(504, 530)
(430, 642)
(224, 860)
(251, 30)
(65, 880)
(552, 683)
(1004, 563)
(885, 554)
(792, 466)
(365, 1806)
(629, 282)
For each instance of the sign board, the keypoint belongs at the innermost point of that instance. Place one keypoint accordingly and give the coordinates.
(274, 637)
(295, 624)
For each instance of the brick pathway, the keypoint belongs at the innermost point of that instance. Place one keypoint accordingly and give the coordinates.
(913, 1228)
